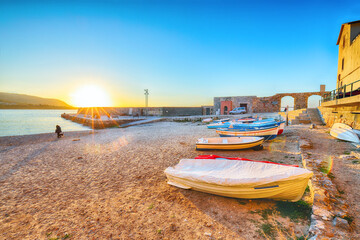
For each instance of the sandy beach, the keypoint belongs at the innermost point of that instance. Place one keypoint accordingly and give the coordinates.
(110, 184)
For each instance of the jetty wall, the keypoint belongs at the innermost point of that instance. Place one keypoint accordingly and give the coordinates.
(140, 111)
(97, 123)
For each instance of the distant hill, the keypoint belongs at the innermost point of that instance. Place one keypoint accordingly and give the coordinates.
(22, 101)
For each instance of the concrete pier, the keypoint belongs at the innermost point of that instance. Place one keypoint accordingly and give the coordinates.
(96, 123)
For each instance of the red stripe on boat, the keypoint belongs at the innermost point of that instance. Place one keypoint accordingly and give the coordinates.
(241, 159)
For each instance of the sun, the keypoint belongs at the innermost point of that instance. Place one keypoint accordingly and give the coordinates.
(91, 96)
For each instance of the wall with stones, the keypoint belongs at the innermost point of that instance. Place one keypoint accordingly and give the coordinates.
(181, 111)
(152, 111)
(349, 115)
(267, 104)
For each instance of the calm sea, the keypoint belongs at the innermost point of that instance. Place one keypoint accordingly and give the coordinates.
(23, 122)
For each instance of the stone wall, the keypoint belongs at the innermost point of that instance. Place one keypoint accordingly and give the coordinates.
(181, 111)
(267, 104)
(96, 112)
(349, 115)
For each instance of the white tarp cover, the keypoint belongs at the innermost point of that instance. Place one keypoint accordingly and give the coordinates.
(233, 172)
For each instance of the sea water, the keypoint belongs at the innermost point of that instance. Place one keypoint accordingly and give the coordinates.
(23, 122)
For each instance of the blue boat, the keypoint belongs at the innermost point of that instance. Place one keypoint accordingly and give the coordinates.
(255, 125)
(219, 125)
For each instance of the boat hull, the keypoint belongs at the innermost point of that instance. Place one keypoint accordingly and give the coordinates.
(230, 146)
(291, 190)
(344, 134)
(267, 134)
(240, 178)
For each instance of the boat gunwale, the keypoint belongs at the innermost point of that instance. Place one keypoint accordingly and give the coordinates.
(216, 144)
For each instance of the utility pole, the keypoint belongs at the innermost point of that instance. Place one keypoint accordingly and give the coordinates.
(146, 100)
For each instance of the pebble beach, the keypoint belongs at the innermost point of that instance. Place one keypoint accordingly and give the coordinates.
(110, 184)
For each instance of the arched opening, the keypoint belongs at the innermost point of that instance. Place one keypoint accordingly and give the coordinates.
(314, 101)
(288, 103)
(225, 110)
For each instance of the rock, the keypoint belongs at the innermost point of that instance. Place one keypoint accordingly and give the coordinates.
(341, 223)
(208, 224)
(355, 154)
(319, 196)
(327, 183)
(313, 238)
(347, 157)
(172, 227)
(316, 226)
(340, 214)
(208, 234)
(324, 214)
(305, 144)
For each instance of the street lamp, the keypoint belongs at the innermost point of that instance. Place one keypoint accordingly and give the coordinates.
(146, 100)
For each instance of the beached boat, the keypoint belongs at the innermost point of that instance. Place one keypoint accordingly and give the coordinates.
(342, 125)
(344, 132)
(238, 124)
(240, 178)
(222, 120)
(207, 120)
(230, 143)
(267, 133)
(255, 125)
(281, 127)
(218, 125)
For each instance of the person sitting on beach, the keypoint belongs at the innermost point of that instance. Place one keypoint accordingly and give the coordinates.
(58, 131)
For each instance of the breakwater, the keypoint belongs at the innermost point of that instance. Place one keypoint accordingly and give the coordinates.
(96, 123)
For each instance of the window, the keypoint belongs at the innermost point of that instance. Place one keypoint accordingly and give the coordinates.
(344, 42)
(339, 77)
(342, 64)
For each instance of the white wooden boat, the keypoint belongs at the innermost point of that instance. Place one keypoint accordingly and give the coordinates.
(342, 125)
(207, 120)
(344, 132)
(229, 143)
(240, 178)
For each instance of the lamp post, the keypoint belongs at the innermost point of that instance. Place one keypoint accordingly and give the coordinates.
(146, 100)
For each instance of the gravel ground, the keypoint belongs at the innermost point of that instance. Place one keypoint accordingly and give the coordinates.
(110, 184)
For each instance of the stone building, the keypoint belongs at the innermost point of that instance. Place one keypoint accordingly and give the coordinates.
(349, 55)
(222, 105)
(343, 103)
(254, 104)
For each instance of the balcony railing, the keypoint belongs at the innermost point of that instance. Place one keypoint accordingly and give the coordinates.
(347, 90)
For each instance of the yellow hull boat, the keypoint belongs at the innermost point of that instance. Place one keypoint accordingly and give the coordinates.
(229, 143)
(240, 178)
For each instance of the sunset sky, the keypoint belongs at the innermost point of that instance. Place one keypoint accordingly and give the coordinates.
(184, 52)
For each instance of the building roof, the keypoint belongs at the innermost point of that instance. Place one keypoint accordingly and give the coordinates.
(342, 27)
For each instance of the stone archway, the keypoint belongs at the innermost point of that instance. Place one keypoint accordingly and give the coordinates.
(288, 102)
(300, 99)
(313, 101)
(273, 103)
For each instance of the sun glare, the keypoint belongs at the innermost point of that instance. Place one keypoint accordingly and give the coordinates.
(91, 96)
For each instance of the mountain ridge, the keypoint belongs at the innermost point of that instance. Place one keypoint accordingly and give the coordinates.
(24, 101)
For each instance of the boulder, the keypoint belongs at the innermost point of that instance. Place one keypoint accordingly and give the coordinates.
(341, 223)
